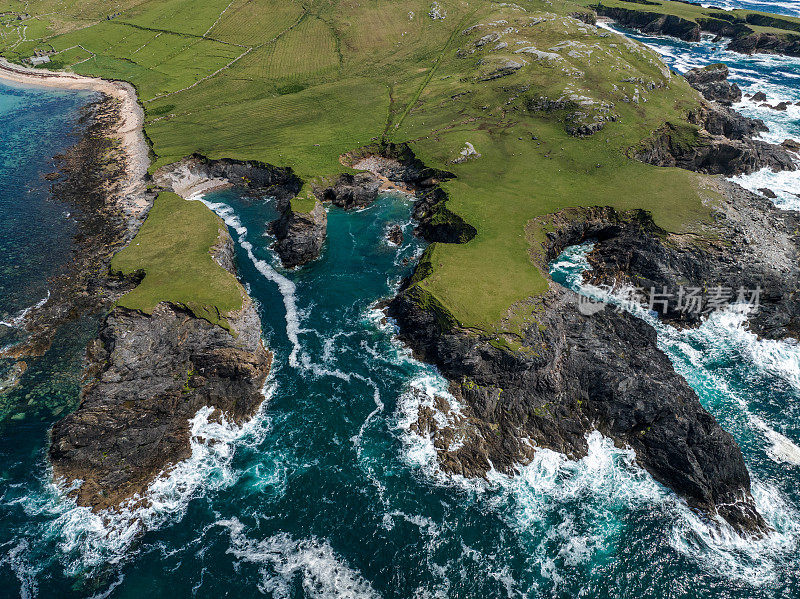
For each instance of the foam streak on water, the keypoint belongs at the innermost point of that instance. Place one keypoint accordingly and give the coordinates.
(287, 287)
(281, 558)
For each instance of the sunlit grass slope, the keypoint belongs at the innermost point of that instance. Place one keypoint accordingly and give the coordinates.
(172, 249)
(298, 84)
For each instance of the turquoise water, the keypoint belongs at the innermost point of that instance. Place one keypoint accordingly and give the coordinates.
(329, 493)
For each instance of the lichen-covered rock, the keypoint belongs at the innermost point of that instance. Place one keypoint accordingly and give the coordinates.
(300, 235)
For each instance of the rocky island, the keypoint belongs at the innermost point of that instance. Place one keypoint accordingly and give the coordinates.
(527, 129)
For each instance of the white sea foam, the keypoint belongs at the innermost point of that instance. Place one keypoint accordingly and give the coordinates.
(87, 539)
(282, 559)
(782, 449)
(723, 336)
(18, 319)
(785, 184)
(287, 288)
(16, 559)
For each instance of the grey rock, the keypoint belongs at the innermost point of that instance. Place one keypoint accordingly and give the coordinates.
(352, 191)
(300, 235)
(712, 82)
(149, 375)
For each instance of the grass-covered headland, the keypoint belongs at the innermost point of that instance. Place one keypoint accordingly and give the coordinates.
(550, 104)
(173, 252)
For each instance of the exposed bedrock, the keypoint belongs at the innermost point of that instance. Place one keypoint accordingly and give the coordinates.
(300, 235)
(751, 245)
(577, 374)
(712, 82)
(573, 373)
(723, 145)
(150, 374)
(197, 174)
(357, 190)
(766, 43)
(396, 163)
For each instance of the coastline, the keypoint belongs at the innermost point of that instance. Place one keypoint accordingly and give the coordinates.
(139, 367)
(130, 195)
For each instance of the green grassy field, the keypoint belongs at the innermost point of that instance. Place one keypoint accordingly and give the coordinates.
(298, 84)
(173, 250)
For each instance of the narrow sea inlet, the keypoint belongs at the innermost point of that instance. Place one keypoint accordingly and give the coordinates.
(330, 491)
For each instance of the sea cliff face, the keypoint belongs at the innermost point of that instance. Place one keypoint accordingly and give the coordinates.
(150, 374)
(573, 373)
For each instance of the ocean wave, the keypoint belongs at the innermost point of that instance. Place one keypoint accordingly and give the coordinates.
(86, 540)
(18, 320)
(695, 353)
(282, 559)
(785, 184)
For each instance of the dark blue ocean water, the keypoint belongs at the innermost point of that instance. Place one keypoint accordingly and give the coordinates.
(329, 493)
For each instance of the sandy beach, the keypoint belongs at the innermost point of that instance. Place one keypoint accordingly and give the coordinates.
(130, 196)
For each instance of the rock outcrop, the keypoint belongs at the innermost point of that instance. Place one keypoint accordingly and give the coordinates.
(149, 376)
(300, 235)
(352, 191)
(712, 82)
(768, 43)
(198, 174)
(752, 246)
(573, 373)
(577, 373)
(723, 144)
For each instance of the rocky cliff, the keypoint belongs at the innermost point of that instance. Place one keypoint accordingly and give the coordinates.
(149, 377)
(744, 39)
(569, 373)
(712, 82)
(300, 235)
(722, 141)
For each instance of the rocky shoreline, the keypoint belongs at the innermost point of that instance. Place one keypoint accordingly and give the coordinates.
(743, 38)
(571, 373)
(148, 374)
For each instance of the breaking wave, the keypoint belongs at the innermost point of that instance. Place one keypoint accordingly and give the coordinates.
(281, 558)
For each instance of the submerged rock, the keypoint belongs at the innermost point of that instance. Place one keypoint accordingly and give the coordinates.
(395, 235)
